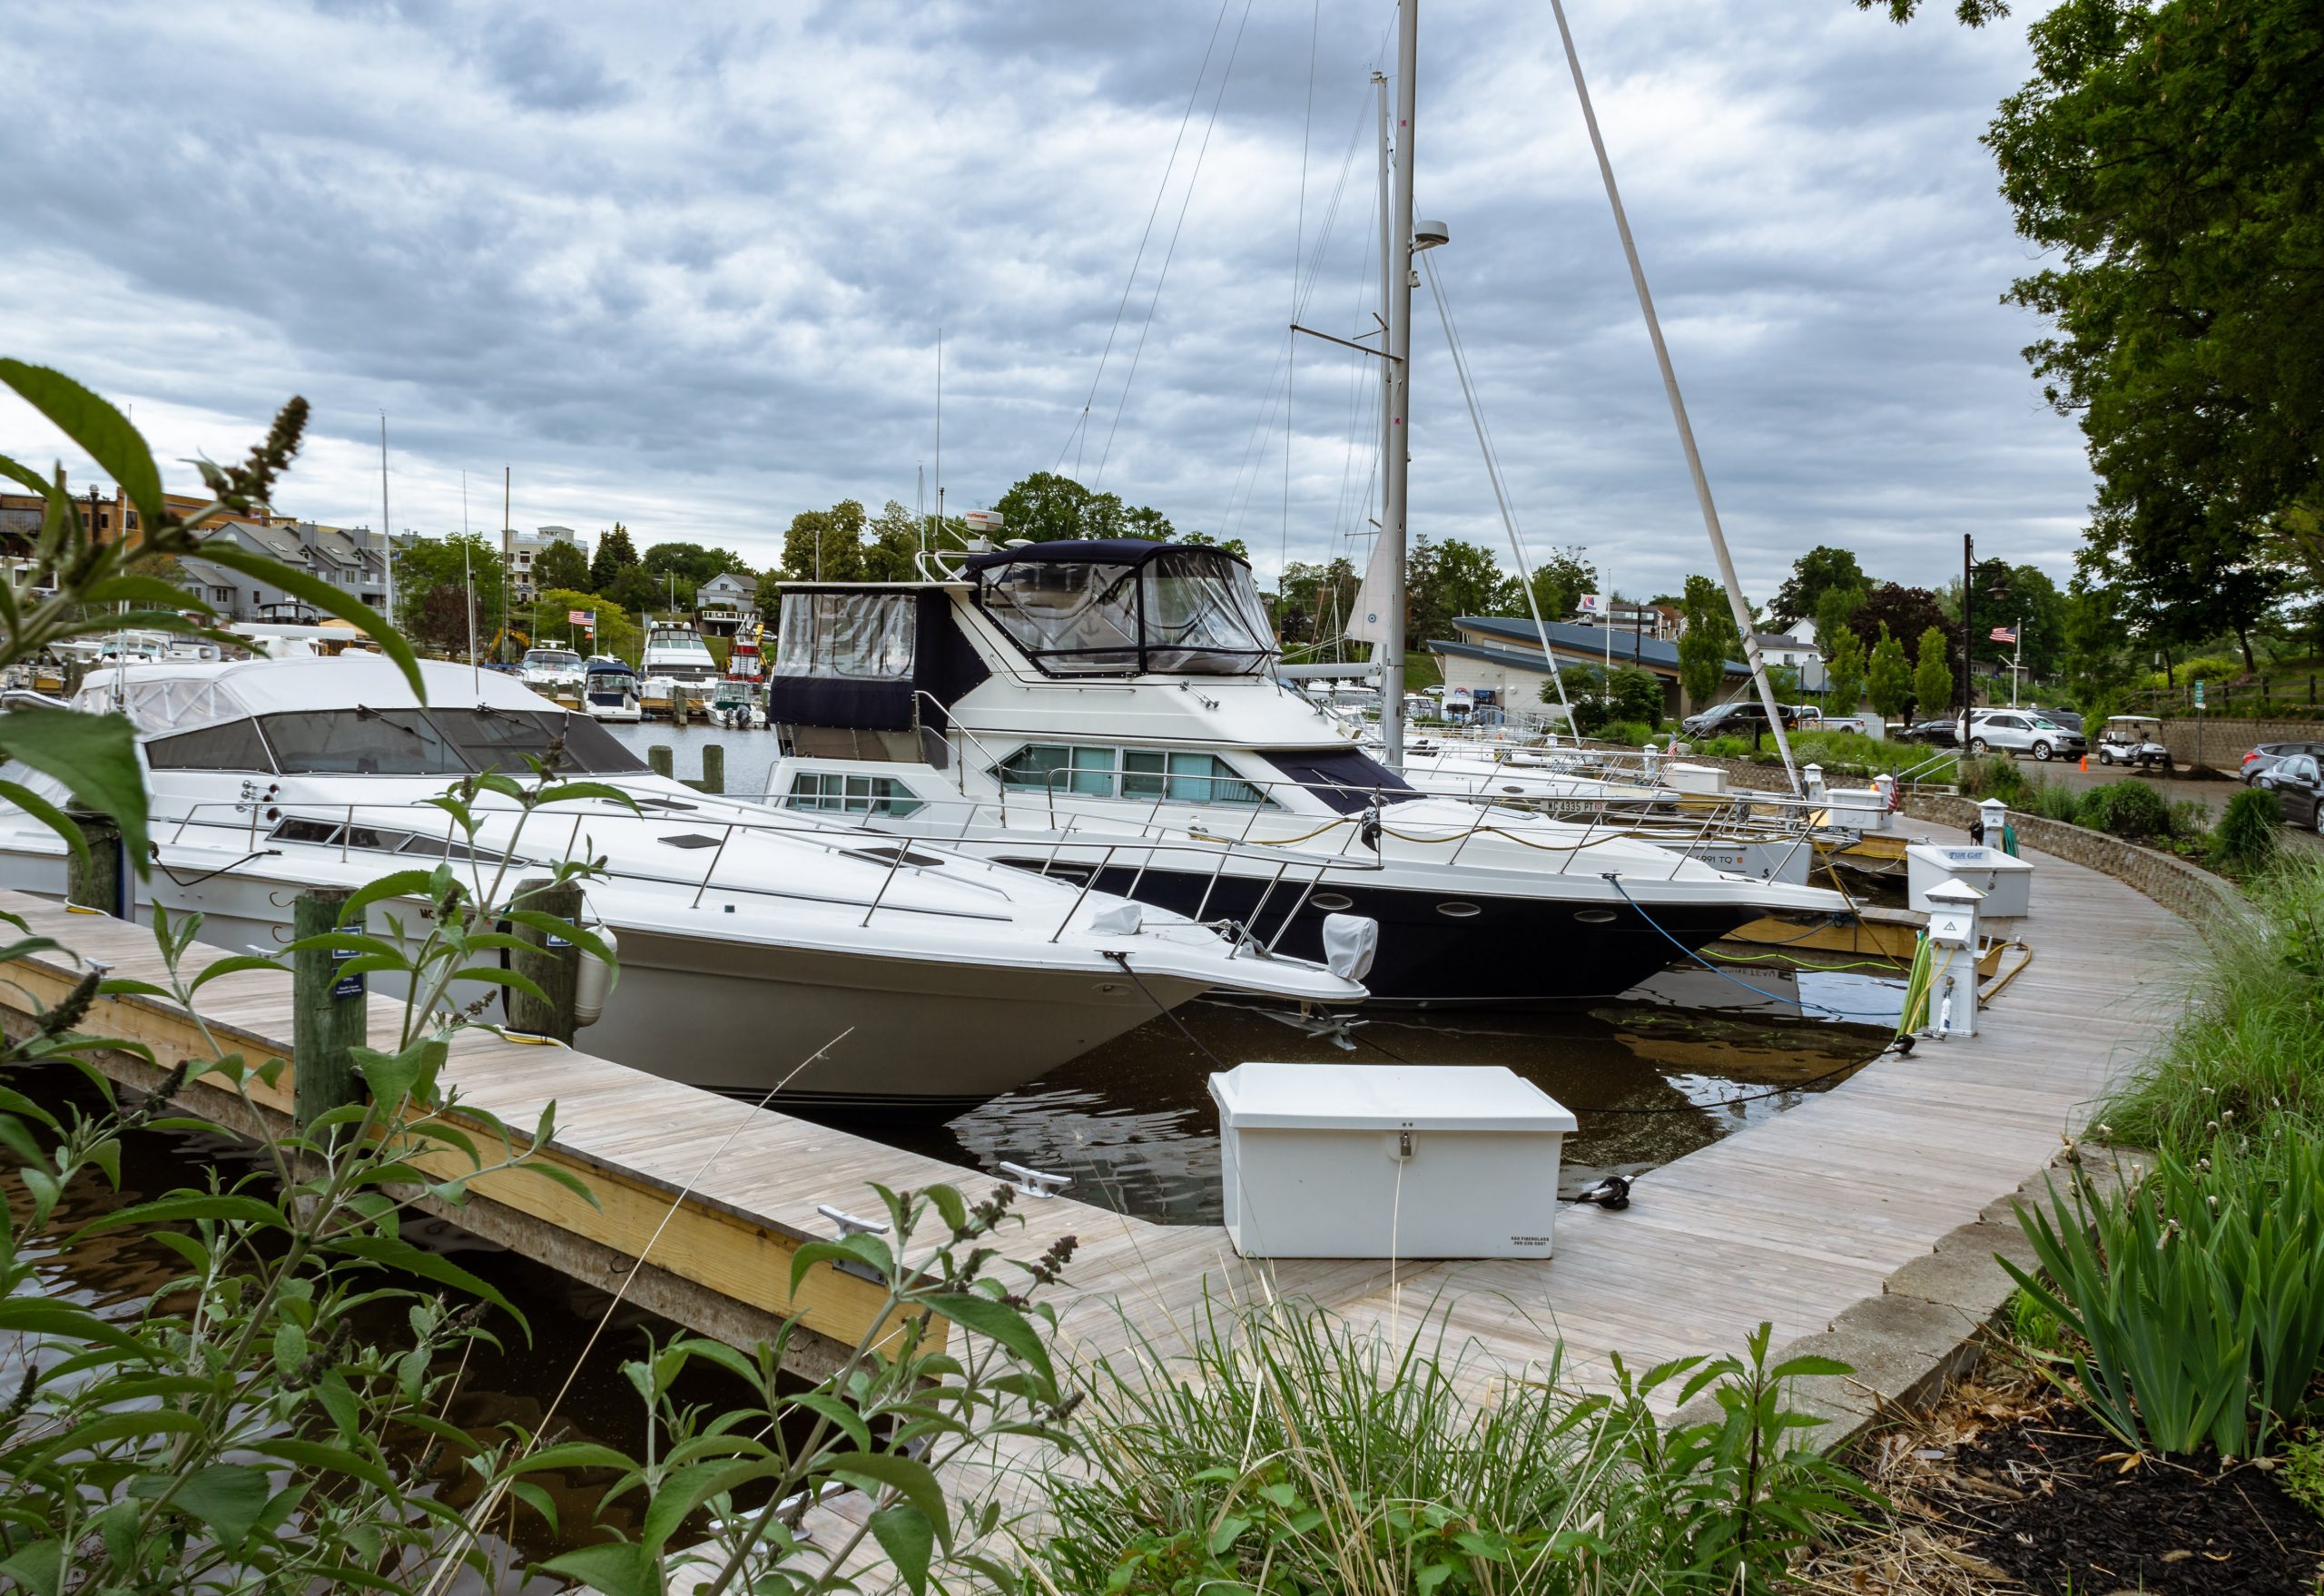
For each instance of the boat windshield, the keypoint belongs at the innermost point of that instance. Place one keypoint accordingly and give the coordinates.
(395, 742)
(1184, 611)
(551, 659)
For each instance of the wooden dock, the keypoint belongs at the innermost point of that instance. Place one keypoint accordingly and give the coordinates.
(1791, 1220)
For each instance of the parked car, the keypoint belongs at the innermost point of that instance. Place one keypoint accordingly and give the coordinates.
(2268, 754)
(2298, 782)
(2133, 740)
(1740, 719)
(2065, 715)
(1937, 733)
(2019, 731)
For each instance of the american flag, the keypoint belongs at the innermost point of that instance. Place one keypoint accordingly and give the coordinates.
(2005, 633)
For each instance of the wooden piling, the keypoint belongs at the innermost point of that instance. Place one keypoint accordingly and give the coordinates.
(326, 1011)
(663, 760)
(552, 963)
(714, 770)
(101, 882)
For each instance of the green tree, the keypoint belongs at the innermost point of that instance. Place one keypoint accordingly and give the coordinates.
(2166, 152)
(826, 545)
(893, 552)
(1814, 574)
(1906, 612)
(1558, 583)
(1933, 679)
(1707, 641)
(1315, 600)
(1601, 697)
(634, 587)
(1888, 681)
(1844, 672)
(1462, 579)
(560, 565)
(552, 617)
(1045, 506)
(1836, 609)
(692, 561)
(432, 581)
(615, 553)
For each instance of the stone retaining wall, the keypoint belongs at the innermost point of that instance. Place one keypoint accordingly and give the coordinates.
(2221, 742)
(2186, 890)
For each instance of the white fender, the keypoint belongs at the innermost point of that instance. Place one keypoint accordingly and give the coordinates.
(595, 980)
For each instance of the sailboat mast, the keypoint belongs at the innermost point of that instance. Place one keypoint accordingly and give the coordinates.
(1741, 611)
(1397, 434)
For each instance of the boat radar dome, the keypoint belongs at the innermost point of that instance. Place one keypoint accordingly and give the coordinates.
(982, 522)
(1427, 235)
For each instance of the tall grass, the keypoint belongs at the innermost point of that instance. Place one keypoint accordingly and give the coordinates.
(1296, 1453)
(2250, 1042)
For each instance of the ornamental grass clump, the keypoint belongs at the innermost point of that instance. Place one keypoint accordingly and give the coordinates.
(1295, 1454)
(2250, 1040)
(2194, 1296)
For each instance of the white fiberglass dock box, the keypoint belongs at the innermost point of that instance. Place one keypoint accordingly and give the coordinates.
(2007, 880)
(1388, 1160)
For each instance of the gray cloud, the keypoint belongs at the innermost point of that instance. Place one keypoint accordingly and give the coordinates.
(685, 266)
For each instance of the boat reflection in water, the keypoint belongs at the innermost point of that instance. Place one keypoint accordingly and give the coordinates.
(1652, 1077)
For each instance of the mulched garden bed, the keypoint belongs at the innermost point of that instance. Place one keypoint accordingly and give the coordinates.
(2049, 1501)
(2006, 1488)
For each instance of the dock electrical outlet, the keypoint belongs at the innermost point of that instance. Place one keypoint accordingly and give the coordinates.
(1388, 1160)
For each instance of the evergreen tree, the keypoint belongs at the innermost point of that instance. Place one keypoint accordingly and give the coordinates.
(1889, 682)
(1933, 678)
(614, 554)
(1709, 641)
(560, 565)
(1844, 673)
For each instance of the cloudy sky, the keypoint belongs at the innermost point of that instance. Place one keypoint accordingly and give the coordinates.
(684, 265)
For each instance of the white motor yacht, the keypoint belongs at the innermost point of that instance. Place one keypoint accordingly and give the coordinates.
(675, 652)
(609, 692)
(1108, 709)
(749, 941)
(550, 668)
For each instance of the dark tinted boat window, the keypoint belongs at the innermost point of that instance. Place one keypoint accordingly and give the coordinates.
(230, 745)
(501, 739)
(360, 741)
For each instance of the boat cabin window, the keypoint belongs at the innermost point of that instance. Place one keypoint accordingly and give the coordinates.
(844, 793)
(551, 659)
(863, 636)
(503, 739)
(1174, 776)
(1186, 611)
(360, 741)
(228, 745)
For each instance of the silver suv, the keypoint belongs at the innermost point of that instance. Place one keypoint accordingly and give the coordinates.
(2021, 730)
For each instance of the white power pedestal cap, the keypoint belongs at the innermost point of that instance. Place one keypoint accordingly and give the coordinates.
(1952, 933)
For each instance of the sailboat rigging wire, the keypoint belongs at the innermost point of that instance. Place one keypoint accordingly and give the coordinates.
(1751, 651)
(1081, 425)
(1264, 425)
(1298, 249)
(1193, 177)
(1492, 474)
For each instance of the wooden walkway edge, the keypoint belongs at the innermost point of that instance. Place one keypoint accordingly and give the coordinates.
(1796, 1220)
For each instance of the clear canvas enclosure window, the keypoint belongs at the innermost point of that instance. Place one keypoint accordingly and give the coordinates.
(859, 637)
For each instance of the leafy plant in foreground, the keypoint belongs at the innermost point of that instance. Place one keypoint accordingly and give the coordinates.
(2249, 833)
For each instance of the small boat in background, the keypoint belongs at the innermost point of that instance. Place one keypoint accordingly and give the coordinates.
(609, 692)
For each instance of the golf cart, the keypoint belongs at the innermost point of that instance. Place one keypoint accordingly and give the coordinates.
(2133, 740)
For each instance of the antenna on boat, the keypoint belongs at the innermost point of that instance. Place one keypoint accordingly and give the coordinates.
(468, 577)
(386, 532)
(506, 532)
